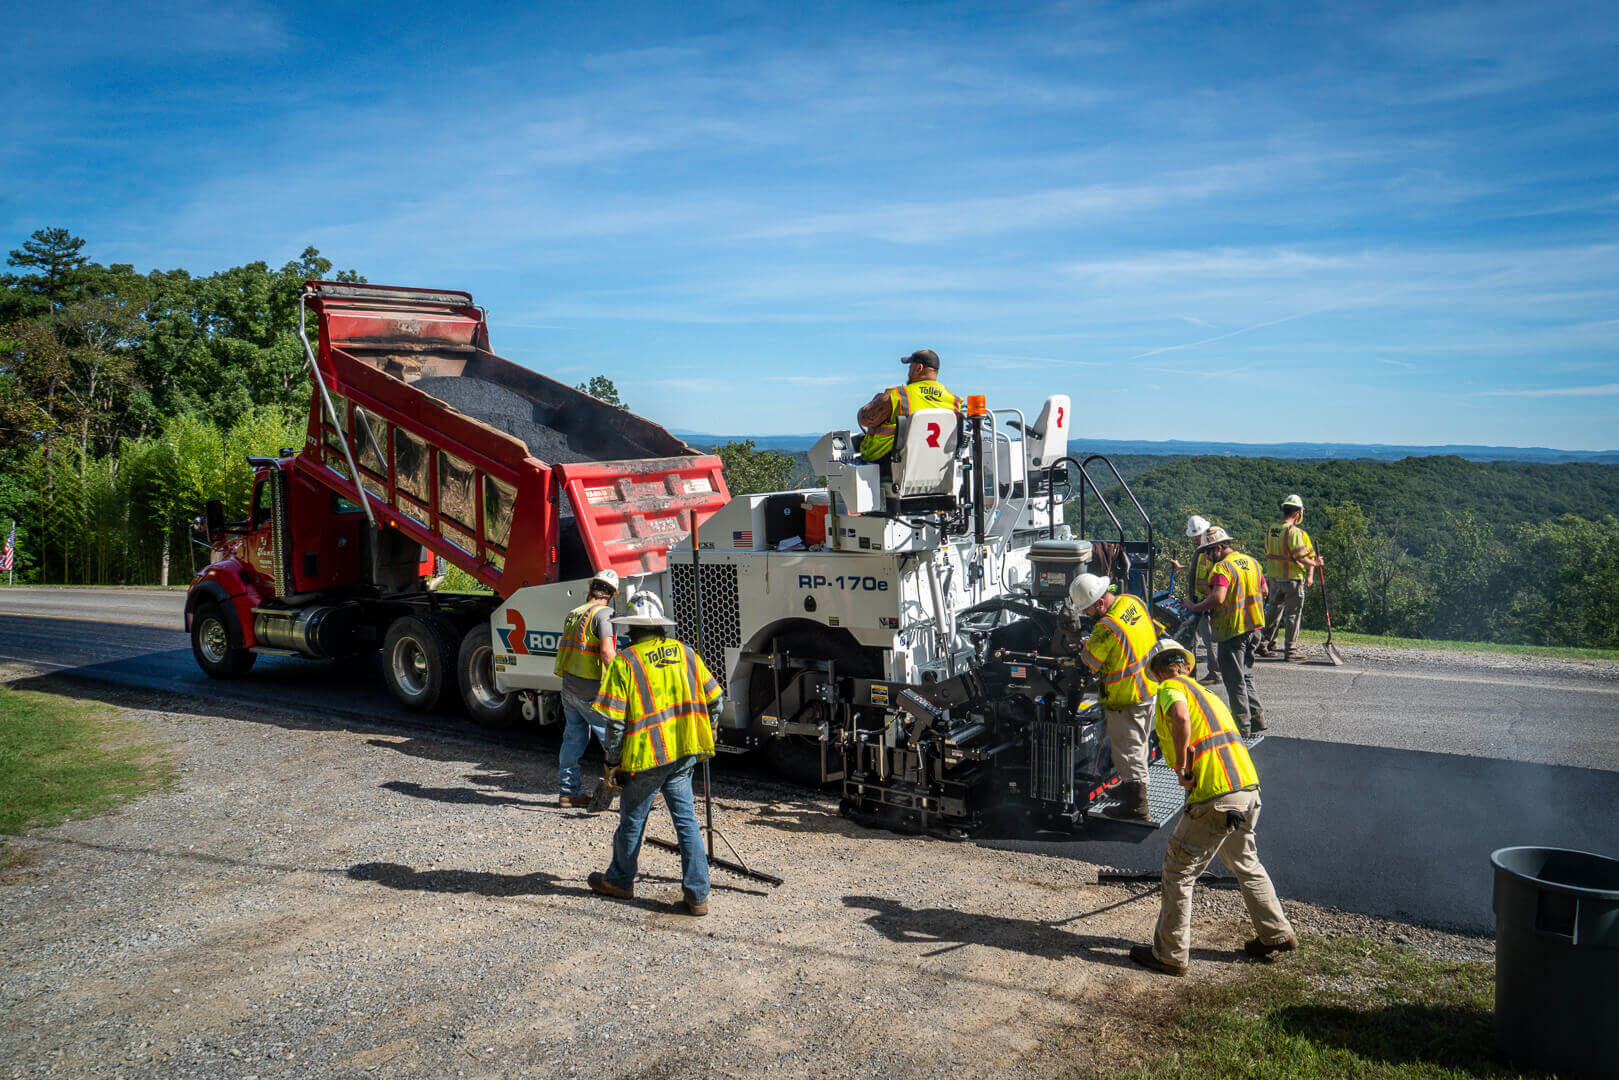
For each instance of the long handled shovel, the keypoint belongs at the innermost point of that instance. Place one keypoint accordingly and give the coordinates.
(1329, 651)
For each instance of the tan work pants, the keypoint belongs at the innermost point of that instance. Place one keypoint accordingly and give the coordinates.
(1203, 831)
(1287, 606)
(1127, 735)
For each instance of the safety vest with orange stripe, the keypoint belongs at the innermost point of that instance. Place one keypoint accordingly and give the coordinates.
(1286, 548)
(1220, 760)
(579, 652)
(655, 697)
(1117, 652)
(902, 402)
(1244, 606)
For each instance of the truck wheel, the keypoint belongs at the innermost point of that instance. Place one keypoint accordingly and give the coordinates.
(475, 665)
(417, 657)
(210, 644)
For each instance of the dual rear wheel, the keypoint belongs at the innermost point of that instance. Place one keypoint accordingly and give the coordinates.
(424, 660)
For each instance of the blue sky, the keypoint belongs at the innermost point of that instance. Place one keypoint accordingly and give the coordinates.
(1255, 222)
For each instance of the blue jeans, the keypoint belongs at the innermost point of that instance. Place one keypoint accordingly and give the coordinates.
(674, 780)
(582, 721)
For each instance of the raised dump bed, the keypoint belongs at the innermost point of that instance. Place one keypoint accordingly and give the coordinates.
(514, 476)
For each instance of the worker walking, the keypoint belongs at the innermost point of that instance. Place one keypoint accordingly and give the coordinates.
(662, 708)
(1236, 603)
(587, 647)
(1116, 652)
(1290, 566)
(1201, 746)
(880, 417)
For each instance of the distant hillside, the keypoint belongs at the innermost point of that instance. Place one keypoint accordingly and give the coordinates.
(1287, 451)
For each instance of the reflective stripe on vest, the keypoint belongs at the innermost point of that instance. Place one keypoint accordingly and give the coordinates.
(1282, 554)
(902, 402)
(1220, 761)
(1129, 683)
(579, 652)
(1244, 607)
(668, 716)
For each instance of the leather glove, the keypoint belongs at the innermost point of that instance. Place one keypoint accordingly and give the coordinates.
(614, 779)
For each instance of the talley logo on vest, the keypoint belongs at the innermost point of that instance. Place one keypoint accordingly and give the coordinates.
(664, 655)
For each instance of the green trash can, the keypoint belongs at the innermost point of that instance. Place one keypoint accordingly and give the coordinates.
(1557, 959)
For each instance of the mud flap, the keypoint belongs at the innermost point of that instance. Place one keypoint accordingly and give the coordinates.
(1165, 796)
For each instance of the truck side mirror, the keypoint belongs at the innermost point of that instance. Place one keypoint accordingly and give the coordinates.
(213, 514)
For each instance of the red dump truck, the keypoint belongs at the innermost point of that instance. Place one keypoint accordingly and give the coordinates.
(425, 449)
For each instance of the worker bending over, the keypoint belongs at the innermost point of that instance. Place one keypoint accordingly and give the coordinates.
(1290, 566)
(1236, 603)
(1201, 746)
(587, 647)
(662, 708)
(1116, 653)
(880, 417)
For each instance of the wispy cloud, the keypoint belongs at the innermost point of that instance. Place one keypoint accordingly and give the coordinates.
(1603, 390)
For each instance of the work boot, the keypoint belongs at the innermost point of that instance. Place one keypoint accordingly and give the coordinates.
(576, 801)
(1143, 955)
(1261, 951)
(602, 887)
(1133, 799)
(695, 907)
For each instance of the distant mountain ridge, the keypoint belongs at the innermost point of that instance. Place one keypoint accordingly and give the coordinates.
(1543, 455)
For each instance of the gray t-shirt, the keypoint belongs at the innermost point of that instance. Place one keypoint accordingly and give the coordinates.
(585, 689)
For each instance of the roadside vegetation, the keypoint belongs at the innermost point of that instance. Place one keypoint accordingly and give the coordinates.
(1374, 641)
(1341, 1008)
(63, 758)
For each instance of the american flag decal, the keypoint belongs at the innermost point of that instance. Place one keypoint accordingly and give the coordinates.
(742, 538)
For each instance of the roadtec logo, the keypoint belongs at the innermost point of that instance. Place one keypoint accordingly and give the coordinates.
(519, 640)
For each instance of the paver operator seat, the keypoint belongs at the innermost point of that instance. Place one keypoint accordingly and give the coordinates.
(926, 474)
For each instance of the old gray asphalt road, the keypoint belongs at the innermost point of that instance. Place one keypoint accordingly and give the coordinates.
(1386, 784)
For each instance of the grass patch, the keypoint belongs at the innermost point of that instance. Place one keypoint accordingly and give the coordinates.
(61, 758)
(1342, 1008)
(1553, 652)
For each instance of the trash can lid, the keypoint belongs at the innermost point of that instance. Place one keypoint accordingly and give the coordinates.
(1580, 873)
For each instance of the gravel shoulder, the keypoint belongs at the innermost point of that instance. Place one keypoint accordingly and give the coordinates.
(1485, 662)
(319, 900)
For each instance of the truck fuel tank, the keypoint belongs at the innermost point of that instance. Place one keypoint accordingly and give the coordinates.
(322, 631)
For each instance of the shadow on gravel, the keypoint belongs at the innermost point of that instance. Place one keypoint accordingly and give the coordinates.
(957, 929)
(463, 796)
(396, 876)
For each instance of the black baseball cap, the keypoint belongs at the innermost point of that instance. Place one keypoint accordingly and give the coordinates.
(922, 356)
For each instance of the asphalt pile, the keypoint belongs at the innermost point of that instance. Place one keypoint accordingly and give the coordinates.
(541, 427)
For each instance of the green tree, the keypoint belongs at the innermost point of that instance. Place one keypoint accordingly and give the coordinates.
(749, 470)
(601, 388)
(56, 257)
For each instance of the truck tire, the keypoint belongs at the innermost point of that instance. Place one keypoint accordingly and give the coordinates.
(418, 657)
(485, 704)
(211, 644)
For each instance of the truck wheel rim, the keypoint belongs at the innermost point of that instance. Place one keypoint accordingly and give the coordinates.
(215, 644)
(481, 679)
(410, 668)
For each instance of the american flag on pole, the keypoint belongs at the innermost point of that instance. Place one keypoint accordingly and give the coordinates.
(10, 552)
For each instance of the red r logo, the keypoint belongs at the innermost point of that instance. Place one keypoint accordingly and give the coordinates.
(933, 434)
(1059, 416)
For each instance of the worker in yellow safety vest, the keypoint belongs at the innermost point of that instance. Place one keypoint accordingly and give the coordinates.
(662, 708)
(1197, 585)
(1236, 606)
(1201, 746)
(1122, 634)
(880, 417)
(586, 648)
(1290, 564)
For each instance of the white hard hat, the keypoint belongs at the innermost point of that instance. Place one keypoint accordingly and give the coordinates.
(1086, 590)
(1214, 536)
(645, 610)
(608, 578)
(1196, 526)
(1170, 645)
(1293, 501)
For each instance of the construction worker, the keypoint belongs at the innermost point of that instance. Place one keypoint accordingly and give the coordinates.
(1197, 584)
(880, 417)
(1116, 653)
(1201, 746)
(1236, 603)
(587, 647)
(1290, 565)
(662, 710)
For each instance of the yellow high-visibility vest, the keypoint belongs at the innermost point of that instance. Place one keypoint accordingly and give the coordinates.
(1286, 548)
(579, 652)
(1244, 607)
(662, 691)
(1117, 652)
(902, 402)
(1201, 570)
(1220, 760)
